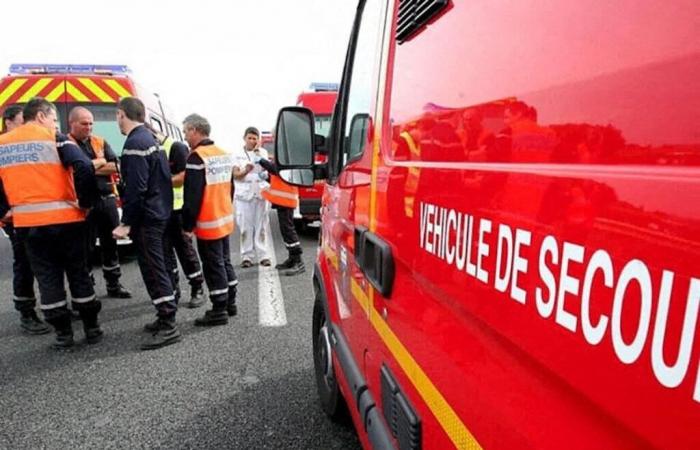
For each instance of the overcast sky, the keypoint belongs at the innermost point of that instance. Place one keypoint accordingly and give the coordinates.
(235, 62)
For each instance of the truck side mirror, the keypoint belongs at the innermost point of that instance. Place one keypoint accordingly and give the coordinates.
(295, 142)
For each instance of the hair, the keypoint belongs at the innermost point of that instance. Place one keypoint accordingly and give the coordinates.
(10, 113)
(133, 109)
(198, 123)
(251, 130)
(36, 105)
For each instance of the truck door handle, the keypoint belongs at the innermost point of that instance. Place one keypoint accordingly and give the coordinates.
(375, 258)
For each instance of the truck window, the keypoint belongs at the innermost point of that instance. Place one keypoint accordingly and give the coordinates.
(157, 124)
(362, 81)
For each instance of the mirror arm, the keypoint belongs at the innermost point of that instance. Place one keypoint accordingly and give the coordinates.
(321, 171)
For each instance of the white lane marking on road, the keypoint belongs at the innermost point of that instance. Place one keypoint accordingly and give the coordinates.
(270, 299)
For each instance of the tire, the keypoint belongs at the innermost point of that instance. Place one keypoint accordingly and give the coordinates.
(332, 401)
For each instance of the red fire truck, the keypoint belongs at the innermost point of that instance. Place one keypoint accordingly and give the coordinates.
(95, 87)
(510, 242)
(320, 98)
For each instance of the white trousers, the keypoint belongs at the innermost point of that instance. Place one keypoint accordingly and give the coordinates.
(253, 217)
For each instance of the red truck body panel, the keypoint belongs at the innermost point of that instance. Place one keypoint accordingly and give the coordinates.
(535, 169)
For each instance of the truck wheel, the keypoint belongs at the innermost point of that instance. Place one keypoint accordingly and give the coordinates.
(332, 401)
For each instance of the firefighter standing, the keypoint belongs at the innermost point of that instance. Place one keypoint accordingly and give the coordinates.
(50, 215)
(177, 153)
(104, 216)
(209, 213)
(284, 198)
(22, 275)
(146, 208)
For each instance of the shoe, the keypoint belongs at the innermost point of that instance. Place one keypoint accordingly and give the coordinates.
(231, 309)
(296, 269)
(197, 297)
(246, 263)
(152, 327)
(287, 264)
(212, 318)
(265, 262)
(93, 335)
(167, 333)
(31, 324)
(64, 339)
(117, 291)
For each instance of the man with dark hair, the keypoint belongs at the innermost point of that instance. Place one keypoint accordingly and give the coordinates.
(208, 212)
(22, 275)
(177, 153)
(12, 117)
(146, 208)
(252, 210)
(50, 215)
(104, 216)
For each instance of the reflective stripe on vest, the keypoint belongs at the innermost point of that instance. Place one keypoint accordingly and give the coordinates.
(38, 187)
(215, 223)
(215, 219)
(178, 192)
(281, 193)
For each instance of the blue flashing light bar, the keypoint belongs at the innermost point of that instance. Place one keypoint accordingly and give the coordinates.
(324, 87)
(96, 69)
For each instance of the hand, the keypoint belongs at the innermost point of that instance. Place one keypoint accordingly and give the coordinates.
(98, 162)
(121, 232)
(249, 167)
(188, 234)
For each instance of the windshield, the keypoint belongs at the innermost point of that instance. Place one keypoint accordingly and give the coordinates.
(323, 125)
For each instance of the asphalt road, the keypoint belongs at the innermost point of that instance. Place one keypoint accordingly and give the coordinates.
(246, 385)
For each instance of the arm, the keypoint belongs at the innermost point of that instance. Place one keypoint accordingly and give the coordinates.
(239, 174)
(178, 163)
(108, 166)
(83, 172)
(135, 173)
(4, 203)
(195, 182)
(269, 166)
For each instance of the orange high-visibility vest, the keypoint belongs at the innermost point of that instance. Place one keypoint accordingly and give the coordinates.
(281, 193)
(39, 189)
(215, 218)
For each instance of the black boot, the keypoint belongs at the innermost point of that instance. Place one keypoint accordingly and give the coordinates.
(297, 268)
(213, 317)
(287, 264)
(116, 290)
(196, 297)
(167, 333)
(31, 323)
(231, 308)
(91, 327)
(64, 339)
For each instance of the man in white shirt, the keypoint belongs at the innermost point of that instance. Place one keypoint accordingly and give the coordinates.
(251, 208)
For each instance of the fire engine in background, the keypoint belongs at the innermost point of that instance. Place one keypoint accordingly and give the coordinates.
(95, 87)
(510, 237)
(320, 98)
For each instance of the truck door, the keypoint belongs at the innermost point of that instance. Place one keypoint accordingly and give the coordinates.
(346, 198)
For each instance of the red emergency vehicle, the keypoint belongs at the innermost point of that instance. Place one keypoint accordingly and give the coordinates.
(510, 244)
(95, 87)
(319, 98)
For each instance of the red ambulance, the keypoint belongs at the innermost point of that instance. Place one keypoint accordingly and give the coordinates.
(510, 245)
